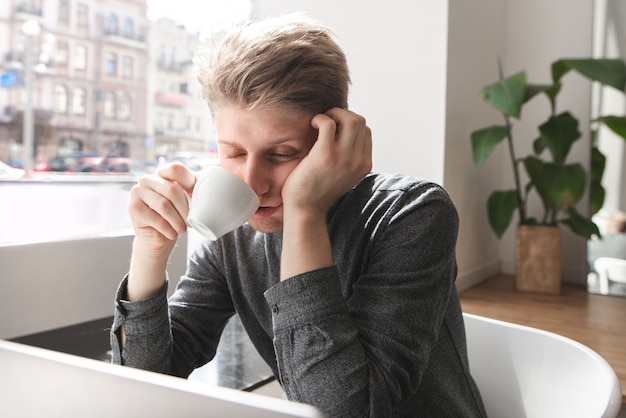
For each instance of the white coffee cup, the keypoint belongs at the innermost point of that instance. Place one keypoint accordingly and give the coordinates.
(220, 202)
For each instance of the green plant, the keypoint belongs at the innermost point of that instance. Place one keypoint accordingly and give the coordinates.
(559, 184)
(618, 125)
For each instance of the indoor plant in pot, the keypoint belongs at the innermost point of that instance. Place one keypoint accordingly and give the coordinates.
(558, 184)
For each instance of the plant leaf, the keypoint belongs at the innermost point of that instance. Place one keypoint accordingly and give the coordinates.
(559, 186)
(610, 72)
(581, 225)
(507, 95)
(596, 196)
(485, 140)
(551, 90)
(615, 123)
(535, 170)
(596, 191)
(534, 89)
(500, 208)
(568, 184)
(538, 146)
(598, 163)
(558, 134)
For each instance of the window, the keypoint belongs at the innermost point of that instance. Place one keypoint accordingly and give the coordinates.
(111, 25)
(159, 122)
(30, 6)
(111, 63)
(163, 54)
(129, 27)
(70, 100)
(60, 98)
(109, 105)
(61, 54)
(127, 67)
(67, 145)
(78, 101)
(80, 57)
(64, 11)
(82, 15)
(124, 106)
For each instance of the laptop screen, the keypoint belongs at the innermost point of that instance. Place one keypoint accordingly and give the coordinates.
(36, 382)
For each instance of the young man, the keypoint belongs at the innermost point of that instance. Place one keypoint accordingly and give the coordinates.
(343, 279)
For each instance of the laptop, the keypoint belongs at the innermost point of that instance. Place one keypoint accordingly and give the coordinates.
(36, 382)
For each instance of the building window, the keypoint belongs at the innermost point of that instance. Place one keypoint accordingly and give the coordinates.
(80, 57)
(129, 27)
(127, 67)
(124, 106)
(61, 54)
(173, 55)
(163, 54)
(60, 98)
(159, 122)
(64, 11)
(67, 145)
(82, 15)
(109, 105)
(78, 101)
(111, 63)
(30, 6)
(111, 25)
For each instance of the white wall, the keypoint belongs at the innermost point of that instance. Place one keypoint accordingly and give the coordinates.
(475, 40)
(396, 51)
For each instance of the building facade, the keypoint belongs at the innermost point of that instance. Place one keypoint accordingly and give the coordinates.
(179, 121)
(106, 81)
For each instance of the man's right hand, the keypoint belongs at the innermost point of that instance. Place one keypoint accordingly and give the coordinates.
(158, 210)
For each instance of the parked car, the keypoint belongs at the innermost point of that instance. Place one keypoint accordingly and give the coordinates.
(123, 165)
(77, 162)
(10, 173)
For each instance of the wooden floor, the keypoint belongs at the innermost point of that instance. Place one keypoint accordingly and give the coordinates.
(598, 322)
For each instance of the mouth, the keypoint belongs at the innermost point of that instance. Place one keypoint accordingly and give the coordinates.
(266, 211)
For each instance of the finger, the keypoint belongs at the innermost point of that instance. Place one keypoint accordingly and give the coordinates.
(327, 129)
(350, 127)
(165, 198)
(364, 149)
(145, 218)
(178, 173)
(151, 220)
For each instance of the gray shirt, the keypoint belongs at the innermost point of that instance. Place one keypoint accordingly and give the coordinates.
(380, 333)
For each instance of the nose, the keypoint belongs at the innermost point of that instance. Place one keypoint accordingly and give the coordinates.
(257, 176)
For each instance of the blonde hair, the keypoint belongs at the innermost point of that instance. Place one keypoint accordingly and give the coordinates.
(287, 62)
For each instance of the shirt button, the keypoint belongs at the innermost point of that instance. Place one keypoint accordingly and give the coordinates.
(275, 309)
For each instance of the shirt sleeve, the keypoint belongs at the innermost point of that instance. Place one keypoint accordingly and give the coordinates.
(361, 351)
(176, 335)
(146, 325)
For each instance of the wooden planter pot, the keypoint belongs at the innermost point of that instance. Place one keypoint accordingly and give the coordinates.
(538, 259)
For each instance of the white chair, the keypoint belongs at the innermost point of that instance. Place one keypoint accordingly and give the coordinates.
(526, 372)
(609, 269)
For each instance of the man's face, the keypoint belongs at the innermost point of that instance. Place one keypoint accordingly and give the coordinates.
(262, 147)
